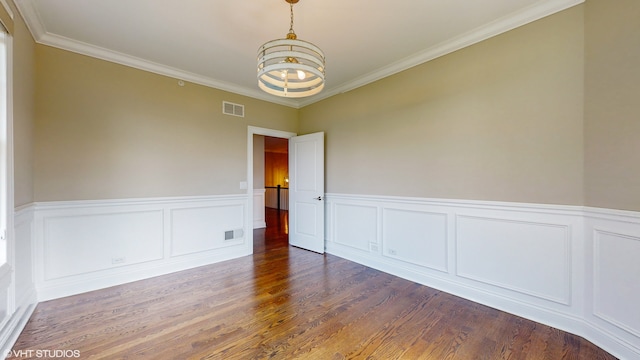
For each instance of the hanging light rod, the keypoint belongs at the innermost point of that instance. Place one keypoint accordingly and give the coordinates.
(290, 67)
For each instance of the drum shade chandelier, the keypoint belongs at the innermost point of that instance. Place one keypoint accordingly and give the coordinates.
(290, 67)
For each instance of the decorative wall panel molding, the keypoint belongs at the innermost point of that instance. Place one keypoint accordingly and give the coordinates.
(570, 267)
(356, 226)
(416, 237)
(19, 263)
(77, 244)
(616, 279)
(198, 229)
(527, 257)
(24, 226)
(87, 245)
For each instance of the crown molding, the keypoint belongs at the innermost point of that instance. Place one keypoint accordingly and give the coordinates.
(31, 17)
(7, 8)
(41, 36)
(535, 12)
(142, 64)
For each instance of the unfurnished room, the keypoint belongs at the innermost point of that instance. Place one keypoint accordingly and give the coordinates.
(300, 179)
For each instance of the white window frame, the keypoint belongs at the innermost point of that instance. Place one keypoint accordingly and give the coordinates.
(6, 154)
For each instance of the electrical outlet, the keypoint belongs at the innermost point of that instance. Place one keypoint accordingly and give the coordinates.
(118, 260)
(233, 234)
(373, 247)
(392, 252)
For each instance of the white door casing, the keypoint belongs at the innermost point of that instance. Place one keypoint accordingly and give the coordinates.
(306, 193)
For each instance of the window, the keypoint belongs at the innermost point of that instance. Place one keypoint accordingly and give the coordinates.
(4, 117)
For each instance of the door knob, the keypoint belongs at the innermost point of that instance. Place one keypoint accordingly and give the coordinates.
(319, 198)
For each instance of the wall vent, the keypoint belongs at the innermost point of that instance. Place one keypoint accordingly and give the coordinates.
(232, 109)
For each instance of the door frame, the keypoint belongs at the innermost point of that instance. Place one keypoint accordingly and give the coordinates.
(253, 130)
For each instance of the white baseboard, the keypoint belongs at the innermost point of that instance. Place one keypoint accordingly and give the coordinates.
(569, 267)
(12, 329)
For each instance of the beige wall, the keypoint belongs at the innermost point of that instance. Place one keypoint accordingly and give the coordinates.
(526, 116)
(500, 120)
(612, 111)
(23, 110)
(108, 131)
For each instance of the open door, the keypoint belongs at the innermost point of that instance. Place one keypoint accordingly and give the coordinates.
(306, 192)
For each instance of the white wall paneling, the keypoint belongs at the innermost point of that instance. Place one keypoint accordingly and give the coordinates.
(527, 257)
(259, 220)
(356, 226)
(21, 296)
(86, 245)
(569, 267)
(76, 243)
(24, 236)
(615, 282)
(613, 239)
(198, 229)
(5, 299)
(417, 237)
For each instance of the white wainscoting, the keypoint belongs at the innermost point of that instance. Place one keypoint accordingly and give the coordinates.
(87, 245)
(20, 295)
(24, 225)
(613, 275)
(259, 218)
(570, 267)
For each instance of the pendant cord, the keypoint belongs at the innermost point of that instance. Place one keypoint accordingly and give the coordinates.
(291, 26)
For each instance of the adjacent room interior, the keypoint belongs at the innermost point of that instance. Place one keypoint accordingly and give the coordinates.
(478, 196)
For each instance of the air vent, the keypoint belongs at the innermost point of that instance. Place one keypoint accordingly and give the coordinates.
(232, 109)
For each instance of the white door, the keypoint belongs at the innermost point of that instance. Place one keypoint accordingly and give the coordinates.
(306, 193)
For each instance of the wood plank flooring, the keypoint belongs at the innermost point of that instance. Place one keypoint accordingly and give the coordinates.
(287, 303)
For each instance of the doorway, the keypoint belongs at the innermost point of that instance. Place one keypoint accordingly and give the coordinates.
(256, 179)
(306, 184)
(276, 194)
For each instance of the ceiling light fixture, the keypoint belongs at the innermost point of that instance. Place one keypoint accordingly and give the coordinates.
(290, 67)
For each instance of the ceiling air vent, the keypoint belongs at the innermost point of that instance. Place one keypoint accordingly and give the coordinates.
(232, 109)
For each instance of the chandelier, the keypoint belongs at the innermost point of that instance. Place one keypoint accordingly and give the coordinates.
(290, 67)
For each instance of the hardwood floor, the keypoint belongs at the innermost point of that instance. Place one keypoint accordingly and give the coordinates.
(287, 303)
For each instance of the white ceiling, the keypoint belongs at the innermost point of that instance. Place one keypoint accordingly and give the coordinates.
(215, 42)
